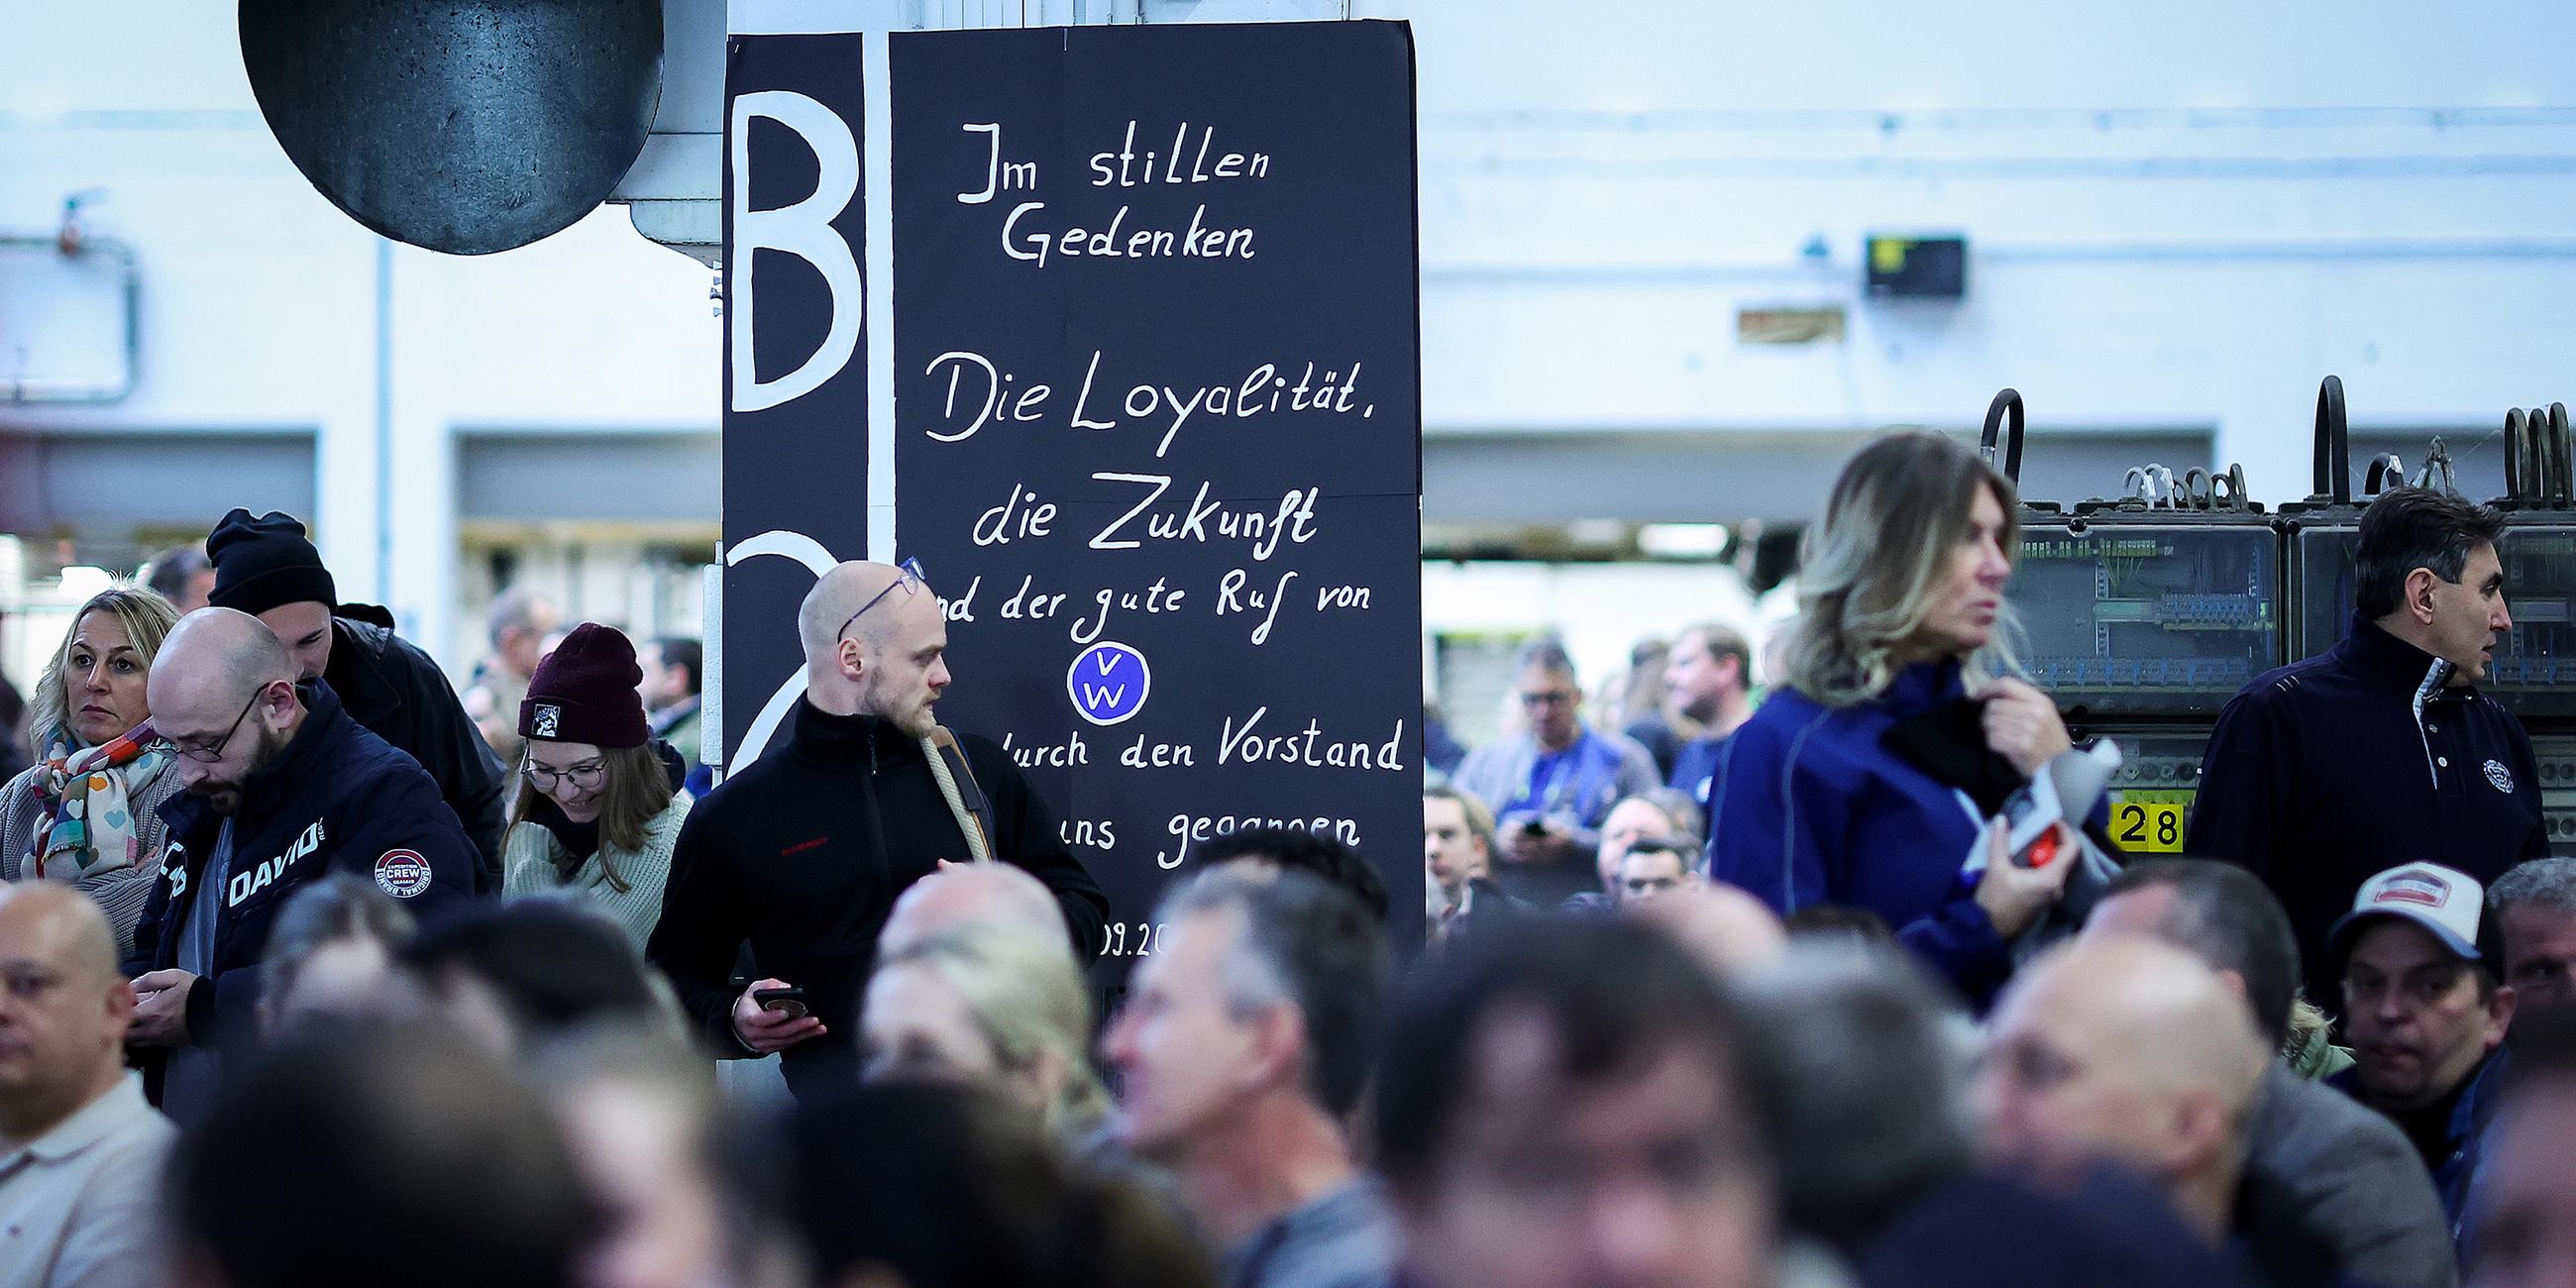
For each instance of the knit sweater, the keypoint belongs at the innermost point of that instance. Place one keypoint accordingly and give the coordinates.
(119, 892)
(529, 867)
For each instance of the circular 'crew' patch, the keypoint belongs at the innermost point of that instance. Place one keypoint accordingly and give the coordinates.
(402, 873)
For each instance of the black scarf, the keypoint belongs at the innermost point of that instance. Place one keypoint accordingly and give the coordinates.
(580, 840)
(1948, 742)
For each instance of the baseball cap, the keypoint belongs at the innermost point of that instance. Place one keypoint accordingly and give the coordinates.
(2442, 900)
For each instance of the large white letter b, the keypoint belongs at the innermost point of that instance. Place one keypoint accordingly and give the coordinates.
(803, 230)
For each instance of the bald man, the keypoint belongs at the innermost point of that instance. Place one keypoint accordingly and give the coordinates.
(282, 788)
(80, 1151)
(1731, 932)
(2319, 1164)
(2128, 1050)
(802, 854)
(972, 893)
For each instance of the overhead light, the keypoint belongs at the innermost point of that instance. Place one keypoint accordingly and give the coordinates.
(1682, 540)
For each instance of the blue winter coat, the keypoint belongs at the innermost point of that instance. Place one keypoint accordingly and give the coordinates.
(1811, 809)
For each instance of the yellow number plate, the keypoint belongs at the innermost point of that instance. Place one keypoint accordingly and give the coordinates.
(2148, 822)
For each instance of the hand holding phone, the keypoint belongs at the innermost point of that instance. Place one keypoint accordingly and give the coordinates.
(771, 1015)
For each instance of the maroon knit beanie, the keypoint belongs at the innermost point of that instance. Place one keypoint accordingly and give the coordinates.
(585, 691)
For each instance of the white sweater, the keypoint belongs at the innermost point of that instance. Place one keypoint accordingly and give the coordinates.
(529, 866)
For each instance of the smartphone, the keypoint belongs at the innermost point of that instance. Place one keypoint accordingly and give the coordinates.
(788, 1001)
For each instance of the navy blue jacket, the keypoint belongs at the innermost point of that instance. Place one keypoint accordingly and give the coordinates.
(2455, 1172)
(1812, 809)
(2097, 1227)
(390, 686)
(337, 797)
(2329, 771)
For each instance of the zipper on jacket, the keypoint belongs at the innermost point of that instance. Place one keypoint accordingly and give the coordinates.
(2435, 676)
(876, 813)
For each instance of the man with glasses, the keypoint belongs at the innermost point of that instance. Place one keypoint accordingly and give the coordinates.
(802, 853)
(1553, 783)
(283, 788)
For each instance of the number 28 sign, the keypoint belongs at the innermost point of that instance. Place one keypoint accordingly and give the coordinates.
(2149, 822)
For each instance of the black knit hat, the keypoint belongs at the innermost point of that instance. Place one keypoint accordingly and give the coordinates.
(585, 691)
(264, 562)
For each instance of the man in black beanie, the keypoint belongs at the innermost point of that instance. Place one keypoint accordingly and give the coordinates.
(266, 567)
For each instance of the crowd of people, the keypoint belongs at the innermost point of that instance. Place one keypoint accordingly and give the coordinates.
(315, 970)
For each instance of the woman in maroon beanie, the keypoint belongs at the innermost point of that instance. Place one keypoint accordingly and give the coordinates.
(599, 806)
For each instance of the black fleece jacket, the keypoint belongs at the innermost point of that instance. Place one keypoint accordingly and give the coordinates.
(801, 856)
(2329, 771)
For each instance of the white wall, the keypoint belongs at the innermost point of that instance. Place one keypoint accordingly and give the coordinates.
(260, 300)
(2182, 214)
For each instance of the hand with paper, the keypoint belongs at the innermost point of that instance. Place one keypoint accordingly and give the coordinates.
(2014, 896)
(2026, 847)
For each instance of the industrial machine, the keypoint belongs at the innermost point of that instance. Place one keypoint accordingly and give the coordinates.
(2142, 615)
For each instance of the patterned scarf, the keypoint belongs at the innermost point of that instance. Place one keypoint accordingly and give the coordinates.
(85, 819)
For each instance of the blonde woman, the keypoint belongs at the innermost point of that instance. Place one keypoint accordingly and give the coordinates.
(994, 1005)
(89, 811)
(1864, 780)
(599, 807)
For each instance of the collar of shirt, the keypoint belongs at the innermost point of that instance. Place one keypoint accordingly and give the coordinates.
(2384, 659)
(91, 1124)
(1555, 775)
(299, 759)
(1921, 686)
(1343, 1210)
(846, 744)
(1544, 761)
(1466, 899)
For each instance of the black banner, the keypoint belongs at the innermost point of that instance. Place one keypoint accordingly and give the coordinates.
(795, 369)
(1158, 427)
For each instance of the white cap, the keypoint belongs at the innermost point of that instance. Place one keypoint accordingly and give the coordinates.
(2442, 900)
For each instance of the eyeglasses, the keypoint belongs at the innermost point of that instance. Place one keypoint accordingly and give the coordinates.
(1546, 699)
(911, 579)
(211, 754)
(584, 776)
